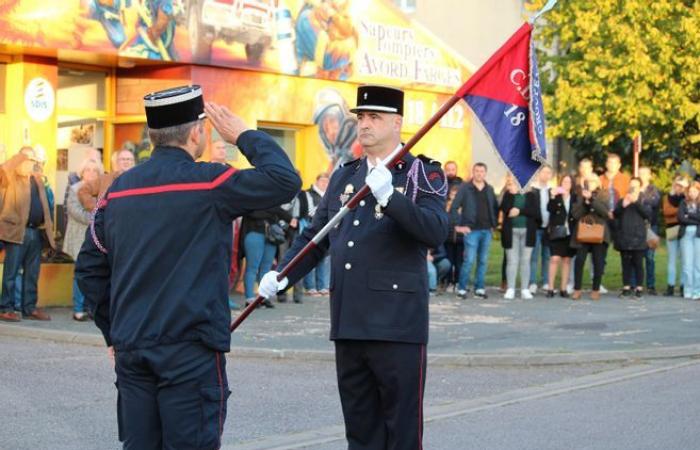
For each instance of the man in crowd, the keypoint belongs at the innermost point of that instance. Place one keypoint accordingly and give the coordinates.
(25, 219)
(650, 196)
(379, 280)
(616, 184)
(217, 153)
(478, 218)
(160, 295)
(451, 172)
(541, 251)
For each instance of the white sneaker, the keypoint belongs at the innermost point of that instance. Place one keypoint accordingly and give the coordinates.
(526, 294)
(603, 290)
(545, 287)
(533, 289)
(569, 289)
(510, 294)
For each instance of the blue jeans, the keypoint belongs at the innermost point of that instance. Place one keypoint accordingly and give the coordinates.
(319, 277)
(259, 255)
(476, 245)
(674, 248)
(437, 271)
(28, 257)
(690, 262)
(78, 298)
(540, 249)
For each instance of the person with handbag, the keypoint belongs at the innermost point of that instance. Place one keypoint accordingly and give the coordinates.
(591, 234)
(561, 222)
(518, 235)
(261, 236)
(689, 218)
(671, 202)
(631, 217)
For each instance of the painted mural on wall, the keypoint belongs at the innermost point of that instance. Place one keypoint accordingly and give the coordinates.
(357, 40)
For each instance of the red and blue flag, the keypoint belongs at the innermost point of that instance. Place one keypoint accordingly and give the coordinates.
(505, 96)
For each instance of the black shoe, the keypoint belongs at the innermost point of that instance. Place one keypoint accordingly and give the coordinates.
(550, 294)
(638, 293)
(267, 304)
(626, 293)
(682, 291)
(281, 299)
(652, 291)
(669, 291)
(563, 294)
(298, 300)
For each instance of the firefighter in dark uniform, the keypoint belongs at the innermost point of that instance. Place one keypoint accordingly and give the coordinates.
(379, 280)
(154, 268)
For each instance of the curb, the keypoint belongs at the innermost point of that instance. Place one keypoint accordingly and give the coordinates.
(436, 359)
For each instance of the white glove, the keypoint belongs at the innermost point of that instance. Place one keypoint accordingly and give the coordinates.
(269, 285)
(379, 181)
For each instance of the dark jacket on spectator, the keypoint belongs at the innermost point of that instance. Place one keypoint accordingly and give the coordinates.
(688, 217)
(466, 199)
(651, 198)
(530, 211)
(597, 208)
(631, 225)
(256, 220)
(558, 214)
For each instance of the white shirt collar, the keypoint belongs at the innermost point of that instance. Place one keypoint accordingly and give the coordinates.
(371, 166)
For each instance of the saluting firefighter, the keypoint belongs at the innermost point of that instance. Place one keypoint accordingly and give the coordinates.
(379, 280)
(154, 268)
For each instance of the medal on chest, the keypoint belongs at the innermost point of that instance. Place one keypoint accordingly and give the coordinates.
(378, 214)
(345, 196)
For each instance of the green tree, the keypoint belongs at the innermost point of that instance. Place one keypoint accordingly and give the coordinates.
(617, 67)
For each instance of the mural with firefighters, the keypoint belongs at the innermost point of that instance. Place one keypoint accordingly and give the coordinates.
(356, 40)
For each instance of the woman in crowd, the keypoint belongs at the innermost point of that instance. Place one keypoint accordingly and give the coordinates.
(631, 219)
(79, 209)
(518, 234)
(561, 222)
(689, 218)
(259, 248)
(591, 206)
(671, 202)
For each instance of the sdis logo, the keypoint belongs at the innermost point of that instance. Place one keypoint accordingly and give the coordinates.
(39, 99)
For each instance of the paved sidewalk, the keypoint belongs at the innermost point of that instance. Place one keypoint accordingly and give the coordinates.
(465, 332)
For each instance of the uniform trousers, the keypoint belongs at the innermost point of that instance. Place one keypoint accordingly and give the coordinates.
(381, 388)
(171, 397)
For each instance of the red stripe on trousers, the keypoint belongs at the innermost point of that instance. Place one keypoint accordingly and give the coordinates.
(221, 388)
(420, 400)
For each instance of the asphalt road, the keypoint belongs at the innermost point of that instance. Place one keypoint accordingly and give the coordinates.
(61, 396)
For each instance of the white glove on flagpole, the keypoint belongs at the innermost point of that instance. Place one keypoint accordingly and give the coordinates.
(269, 285)
(379, 181)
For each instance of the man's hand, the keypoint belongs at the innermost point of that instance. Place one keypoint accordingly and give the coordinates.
(514, 212)
(586, 194)
(269, 285)
(463, 229)
(379, 181)
(229, 126)
(110, 354)
(294, 223)
(627, 201)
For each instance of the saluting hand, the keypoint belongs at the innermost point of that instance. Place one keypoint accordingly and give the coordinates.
(229, 125)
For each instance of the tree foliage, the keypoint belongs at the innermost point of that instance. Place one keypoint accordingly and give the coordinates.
(613, 68)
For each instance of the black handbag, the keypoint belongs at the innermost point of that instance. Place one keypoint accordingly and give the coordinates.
(274, 233)
(558, 232)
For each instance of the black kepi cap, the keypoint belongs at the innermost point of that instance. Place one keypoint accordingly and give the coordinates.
(174, 106)
(379, 99)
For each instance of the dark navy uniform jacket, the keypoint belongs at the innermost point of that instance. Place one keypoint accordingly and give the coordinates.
(166, 228)
(379, 280)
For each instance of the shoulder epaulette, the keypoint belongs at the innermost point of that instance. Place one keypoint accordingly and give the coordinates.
(430, 161)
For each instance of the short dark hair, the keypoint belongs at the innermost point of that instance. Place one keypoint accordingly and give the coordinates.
(480, 164)
(176, 135)
(586, 160)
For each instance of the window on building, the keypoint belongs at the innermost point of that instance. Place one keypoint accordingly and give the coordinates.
(285, 138)
(408, 6)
